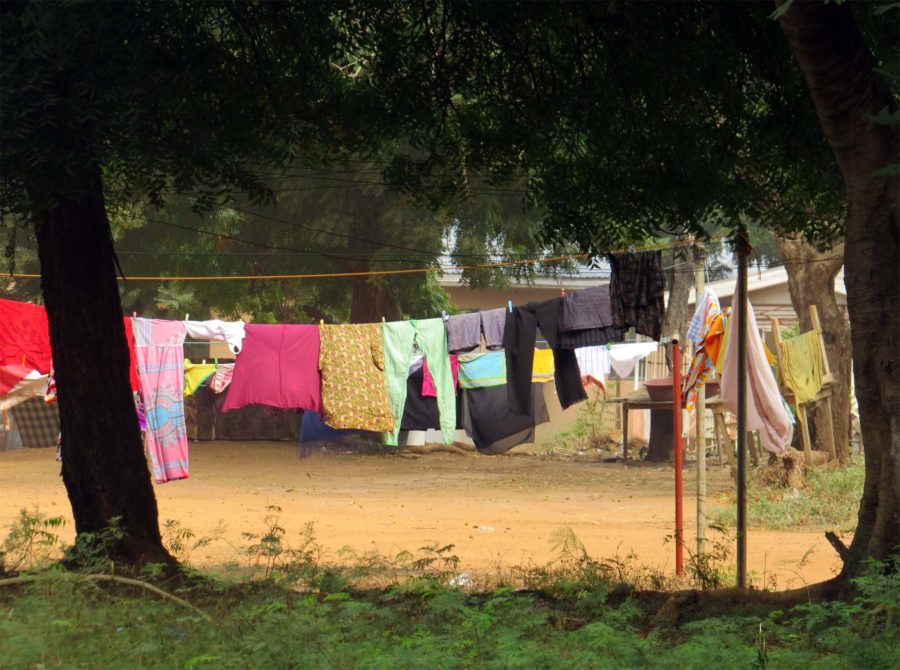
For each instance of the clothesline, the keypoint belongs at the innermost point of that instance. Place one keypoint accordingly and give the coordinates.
(370, 273)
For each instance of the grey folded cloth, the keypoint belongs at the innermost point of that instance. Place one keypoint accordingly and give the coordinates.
(493, 326)
(588, 308)
(463, 332)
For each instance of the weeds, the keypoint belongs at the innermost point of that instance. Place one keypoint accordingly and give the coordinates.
(830, 499)
(298, 611)
(32, 542)
(588, 432)
(63, 622)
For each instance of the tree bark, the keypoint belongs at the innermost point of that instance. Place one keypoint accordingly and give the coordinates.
(374, 299)
(847, 93)
(811, 282)
(678, 312)
(103, 464)
(678, 316)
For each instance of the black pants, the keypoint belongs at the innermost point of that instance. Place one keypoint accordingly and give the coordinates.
(492, 426)
(521, 333)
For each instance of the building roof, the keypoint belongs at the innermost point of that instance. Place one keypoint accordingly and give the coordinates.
(756, 281)
(568, 283)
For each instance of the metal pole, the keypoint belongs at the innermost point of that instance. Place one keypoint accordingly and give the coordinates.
(679, 483)
(699, 286)
(742, 247)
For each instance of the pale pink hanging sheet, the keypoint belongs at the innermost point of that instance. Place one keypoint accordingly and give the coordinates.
(159, 350)
(766, 410)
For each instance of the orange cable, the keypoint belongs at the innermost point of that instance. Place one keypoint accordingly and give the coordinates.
(369, 273)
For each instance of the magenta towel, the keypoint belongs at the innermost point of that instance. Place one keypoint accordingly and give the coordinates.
(159, 353)
(428, 389)
(278, 366)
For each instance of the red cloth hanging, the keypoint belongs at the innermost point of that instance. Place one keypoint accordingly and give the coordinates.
(25, 343)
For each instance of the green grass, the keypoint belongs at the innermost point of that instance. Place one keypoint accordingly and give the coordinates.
(829, 500)
(61, 621)
(284, 607)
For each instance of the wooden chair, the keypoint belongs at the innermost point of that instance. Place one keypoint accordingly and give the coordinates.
(823, 396)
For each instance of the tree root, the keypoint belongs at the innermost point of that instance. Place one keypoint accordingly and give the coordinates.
(838, 545)
(28, 579)
(687, 606)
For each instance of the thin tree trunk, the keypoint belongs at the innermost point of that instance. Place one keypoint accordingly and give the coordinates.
(678, 315)
(374, 299)
(847, 93)
(678, 312)
(104, 468)
(811, 282)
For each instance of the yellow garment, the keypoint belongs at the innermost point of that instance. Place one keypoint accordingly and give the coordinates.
(803, 366)
(195, 374)
(720, 363)
(770, 357)
(354, 389)
(715, 338)
(542, 369)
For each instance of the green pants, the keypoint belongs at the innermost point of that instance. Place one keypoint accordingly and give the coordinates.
(431, 337)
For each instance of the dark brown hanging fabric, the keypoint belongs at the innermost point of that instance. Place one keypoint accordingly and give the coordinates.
(636, 289)
(421, 412)
(519, 340)
(493, 427)
(586, 319)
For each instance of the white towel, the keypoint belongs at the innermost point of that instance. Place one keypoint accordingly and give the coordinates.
(623, 357)
(231, 332)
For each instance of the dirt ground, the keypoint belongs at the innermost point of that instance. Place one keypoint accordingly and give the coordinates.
(496, 510)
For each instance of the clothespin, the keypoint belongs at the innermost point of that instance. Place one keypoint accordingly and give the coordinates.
(134, 315)
(321, 322)
(382, 319)
(509, 305)
(187, 316)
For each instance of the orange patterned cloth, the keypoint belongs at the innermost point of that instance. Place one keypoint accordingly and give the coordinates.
(354, 392)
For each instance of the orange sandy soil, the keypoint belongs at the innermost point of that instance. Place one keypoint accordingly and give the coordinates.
(496, 510)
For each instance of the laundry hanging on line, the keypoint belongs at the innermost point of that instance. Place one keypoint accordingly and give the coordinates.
(521, 332)
(368, 386)
(278, 366)
(429, 336)
(636, 287)
(159, 348)
(766, 410)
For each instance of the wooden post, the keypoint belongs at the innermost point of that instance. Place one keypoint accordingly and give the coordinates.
(742, 248)
(679, 474)
(700, 406)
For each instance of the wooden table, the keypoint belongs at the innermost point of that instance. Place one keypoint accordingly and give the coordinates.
(661, 420)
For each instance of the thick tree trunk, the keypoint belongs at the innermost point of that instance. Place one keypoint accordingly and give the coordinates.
(847, 93)
(811, 282)
(103, 464)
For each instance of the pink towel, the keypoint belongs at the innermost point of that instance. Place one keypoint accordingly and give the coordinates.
(278, 366)
(428, 389)
(222, 377)
(159, 350)
(766, 410)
